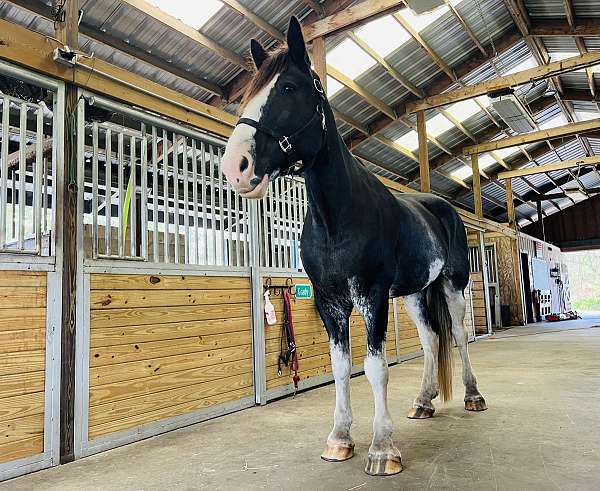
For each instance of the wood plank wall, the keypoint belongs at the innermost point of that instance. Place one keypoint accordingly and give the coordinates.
(22, 363)
(358, 337)
(311, 340)
(479, 314)
(163, 346)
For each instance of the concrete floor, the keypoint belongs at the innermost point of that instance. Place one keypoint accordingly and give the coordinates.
(542, 431)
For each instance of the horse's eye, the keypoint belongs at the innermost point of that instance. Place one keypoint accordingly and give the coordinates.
(288, 89)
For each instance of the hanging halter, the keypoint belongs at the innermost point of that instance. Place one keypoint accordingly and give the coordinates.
(287, 143)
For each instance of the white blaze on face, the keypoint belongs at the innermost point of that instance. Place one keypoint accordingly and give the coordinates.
(241, 144)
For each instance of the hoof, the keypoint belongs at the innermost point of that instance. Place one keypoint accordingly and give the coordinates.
(420, 412)
(475, 404)
(385, 465)
(338, 453)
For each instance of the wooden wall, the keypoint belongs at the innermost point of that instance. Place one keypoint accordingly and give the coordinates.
(163, 346)
(22, 363)
(479, 313)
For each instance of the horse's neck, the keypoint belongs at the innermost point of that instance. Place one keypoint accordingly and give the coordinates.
(329, 183)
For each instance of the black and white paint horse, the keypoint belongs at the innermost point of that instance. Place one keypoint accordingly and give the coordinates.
(360, 244)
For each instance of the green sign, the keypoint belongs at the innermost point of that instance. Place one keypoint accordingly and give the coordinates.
(303, 292)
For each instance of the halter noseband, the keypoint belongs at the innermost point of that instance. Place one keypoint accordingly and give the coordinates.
(287, 143)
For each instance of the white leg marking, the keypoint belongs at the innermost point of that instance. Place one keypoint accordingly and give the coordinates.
(376, 370)
(341, 366)
(457, 307)
(430, 343)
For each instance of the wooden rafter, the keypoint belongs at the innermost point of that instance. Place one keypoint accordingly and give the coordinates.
(560, 28)
(565, 164)
(350, 17)
(466, 27)
(255, 19)
(182, 28)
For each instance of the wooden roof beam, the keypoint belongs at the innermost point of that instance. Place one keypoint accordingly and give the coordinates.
(255, 19)
(561, 28)
(536, 136)
(506, 82)
(542, 169)
(351, 17)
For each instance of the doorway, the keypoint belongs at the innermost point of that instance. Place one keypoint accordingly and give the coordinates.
(527, 287)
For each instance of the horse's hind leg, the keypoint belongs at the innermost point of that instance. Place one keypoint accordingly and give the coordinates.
(416, 308)
(335, 316)
(455, 299)
(384, 458)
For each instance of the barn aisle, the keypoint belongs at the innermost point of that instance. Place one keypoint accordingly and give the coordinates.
(541, 432)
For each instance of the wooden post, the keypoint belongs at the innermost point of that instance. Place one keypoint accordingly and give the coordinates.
(318, 57)
(423, 155)
(477, 185)
(510, 204)
(67, 33)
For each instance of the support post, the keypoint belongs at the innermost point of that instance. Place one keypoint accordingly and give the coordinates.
(423, 155)
(318, 58)
(540, 215)
(477, 186)
(67, 33)
(510, 204)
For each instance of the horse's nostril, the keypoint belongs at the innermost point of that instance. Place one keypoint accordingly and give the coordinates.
(255, 181)
(243, 164)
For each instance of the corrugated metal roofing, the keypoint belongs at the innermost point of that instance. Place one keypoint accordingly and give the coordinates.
(488, 19)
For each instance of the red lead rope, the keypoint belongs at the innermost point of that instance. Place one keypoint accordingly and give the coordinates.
(288, 327)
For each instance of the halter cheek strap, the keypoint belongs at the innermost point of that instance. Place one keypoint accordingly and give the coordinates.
(287, 143)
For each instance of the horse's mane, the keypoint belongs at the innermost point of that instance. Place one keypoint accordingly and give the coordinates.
(274, 64)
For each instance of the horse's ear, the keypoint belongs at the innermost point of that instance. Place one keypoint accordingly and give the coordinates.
(295, 42)
(259, 54)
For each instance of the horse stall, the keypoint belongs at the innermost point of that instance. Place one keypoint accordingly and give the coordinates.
(30, 270)
(164, 311)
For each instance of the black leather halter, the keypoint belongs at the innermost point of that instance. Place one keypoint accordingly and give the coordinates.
(287, 143)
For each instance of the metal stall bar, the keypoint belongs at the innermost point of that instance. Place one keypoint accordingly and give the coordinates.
(230, 196)
(22, 176)
(186, 203)
(221, 206)
(165, 197)
(144, 190)
(212, 205)
(265, 232)
(236, 202)
(4, 170)
(120, 157)
(108, 191)
(245, 221)
(95, 190)
(204, 212)
(284, 220)
(132, 197)
(175, 154)
(195, 198)
(37, 180)
(155, 207)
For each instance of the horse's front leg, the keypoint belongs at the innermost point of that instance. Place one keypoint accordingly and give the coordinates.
(384, 458)
(335, 316)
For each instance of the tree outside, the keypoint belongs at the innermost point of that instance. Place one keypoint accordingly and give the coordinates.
(584, 274)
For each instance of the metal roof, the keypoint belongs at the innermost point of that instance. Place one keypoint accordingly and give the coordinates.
(489, 20)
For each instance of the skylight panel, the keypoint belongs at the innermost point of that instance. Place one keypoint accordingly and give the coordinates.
(464, 110)
(486, 161)
(333, 86)
(563, 55)
(349, 59)
(463, 172)
(420, 22)
(484, 100)
(505, 152)
(524, 65)
(410, 140)
(438, 125)
(558, 120)
(586, 115)
(194, 17)
(384, 35)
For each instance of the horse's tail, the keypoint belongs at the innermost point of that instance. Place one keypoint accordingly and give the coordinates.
(441, 322)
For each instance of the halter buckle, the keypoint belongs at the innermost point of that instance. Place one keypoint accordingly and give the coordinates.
(285, 144)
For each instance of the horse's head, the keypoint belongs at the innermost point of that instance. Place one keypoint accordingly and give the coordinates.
(282, 119)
